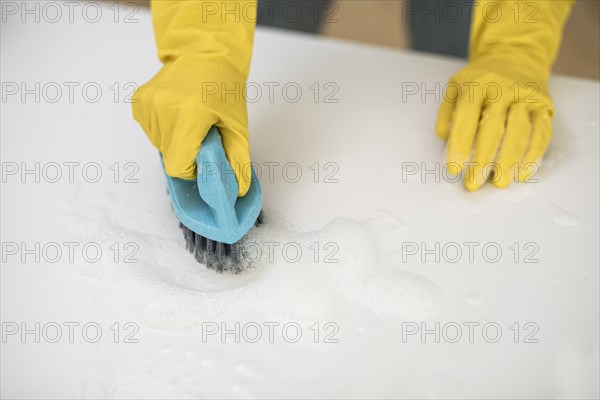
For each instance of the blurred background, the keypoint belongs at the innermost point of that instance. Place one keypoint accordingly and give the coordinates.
(415, 24)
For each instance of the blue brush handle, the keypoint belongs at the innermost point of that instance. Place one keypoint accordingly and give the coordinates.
(209, 206)
(216, 180)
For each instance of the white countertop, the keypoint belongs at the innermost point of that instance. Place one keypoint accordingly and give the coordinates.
(366, 140)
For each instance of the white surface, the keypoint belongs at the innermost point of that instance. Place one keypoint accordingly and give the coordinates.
(369, 213)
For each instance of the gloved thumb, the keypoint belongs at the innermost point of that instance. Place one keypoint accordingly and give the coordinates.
(237, 150)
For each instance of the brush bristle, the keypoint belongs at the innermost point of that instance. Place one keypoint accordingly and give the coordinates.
(216, 255)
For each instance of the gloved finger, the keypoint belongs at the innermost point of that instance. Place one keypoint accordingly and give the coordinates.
(138, 109)
(156, 116)
(490, 132)
(462, 133)
(444, 116)
(237, 149)
(538, 144)
(514, 144)
(189, 132)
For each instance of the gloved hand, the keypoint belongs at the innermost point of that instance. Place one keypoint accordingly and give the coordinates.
(496, 113)
(206, 53)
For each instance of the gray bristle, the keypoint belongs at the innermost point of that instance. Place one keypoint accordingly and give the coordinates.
(199, 247)
(235, 252)
(189, 238)
(210, 252)
(220, 251)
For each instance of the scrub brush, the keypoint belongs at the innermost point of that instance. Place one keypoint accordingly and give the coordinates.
(212, 217)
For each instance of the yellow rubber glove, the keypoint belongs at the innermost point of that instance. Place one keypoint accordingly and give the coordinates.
(496, 114)
(206, 48)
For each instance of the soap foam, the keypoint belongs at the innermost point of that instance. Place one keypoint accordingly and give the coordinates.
(563, 217)
(320, 274)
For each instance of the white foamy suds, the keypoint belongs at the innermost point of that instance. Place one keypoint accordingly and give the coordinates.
(563, 217)
(307, 276)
